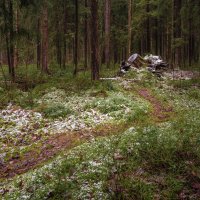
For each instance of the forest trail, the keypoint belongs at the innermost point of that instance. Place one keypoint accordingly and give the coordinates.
(52, 147)
(56, 144)
(160, 112)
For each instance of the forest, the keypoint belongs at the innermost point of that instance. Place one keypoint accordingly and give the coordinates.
(100, 99)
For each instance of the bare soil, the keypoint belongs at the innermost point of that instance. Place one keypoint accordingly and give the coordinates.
(56, 144)
(52, 147)
(160, 111)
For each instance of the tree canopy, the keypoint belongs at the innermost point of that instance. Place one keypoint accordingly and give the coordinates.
(45, 32)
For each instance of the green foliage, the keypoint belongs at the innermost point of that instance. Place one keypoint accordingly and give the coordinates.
(56, 110)
(147, 161)
(120, 106)
(143, 163)
(13, 95)
(194, 93)
(137, 189)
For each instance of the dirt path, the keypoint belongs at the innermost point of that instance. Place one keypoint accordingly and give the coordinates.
(56, 144)
(160, 112)
(51, 148)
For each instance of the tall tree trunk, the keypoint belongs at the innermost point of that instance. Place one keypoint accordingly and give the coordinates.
(11, 27)
(148, 34)
(16, 32)
(168, 43)
(1, 51)
(94, 40)
(76, 37)
(45, 38)
(177, 31)
(190, 42)
(8, 53)
(107, 31)
(58, 36)
(172, 34)
(65, 33)
(156, 36)
(129, 27)
(58, 42)
(161, 42)
(86, 37)
(38, 44)
(6, 27)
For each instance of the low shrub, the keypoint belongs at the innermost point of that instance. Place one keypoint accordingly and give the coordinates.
(56, 111)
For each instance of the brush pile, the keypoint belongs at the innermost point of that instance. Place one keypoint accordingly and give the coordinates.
(152, 63)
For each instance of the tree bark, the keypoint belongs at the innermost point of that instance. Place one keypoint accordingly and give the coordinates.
(129, 27)
(38, 44)
(7, 7)
(107, 31)
(45, 42)
(148, 34)
(86, 37)
(190, 48)
(95, 40)
(156, 36)
(1, 53)
(16, 32)
(64, 37)
(76, 37)
(177, 30)
(58, 40)
(11, 34)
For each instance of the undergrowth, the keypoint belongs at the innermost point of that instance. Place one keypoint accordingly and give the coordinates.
(147, 161)
(142, 163)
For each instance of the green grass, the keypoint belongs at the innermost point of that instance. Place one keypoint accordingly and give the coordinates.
(185, 84)
(142, 163)
(147, 161)
(31, 83)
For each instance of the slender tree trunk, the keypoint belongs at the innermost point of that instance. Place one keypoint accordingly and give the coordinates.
(58, 36)
(107, 31)
(168, 43)
(45, 42)
(94, 40)
(148, 34)
(11, 27)
(38, 44)
(141, 46)
(177, 30)
(65, 33)
(86, 37)
(76, 37)
(16, 32)
(190, 42)
(7, 7)
(129, 27)
(59, 50)
(7, 40)
(8, 53)
(1, 53)
(58, 47)
(156, 36)
(172, 34)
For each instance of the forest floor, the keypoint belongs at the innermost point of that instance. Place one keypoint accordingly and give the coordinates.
(135, 137)
(53, 145)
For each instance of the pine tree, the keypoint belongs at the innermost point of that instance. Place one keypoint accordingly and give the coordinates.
(107, 31)
(94, 40)
(45, 39)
